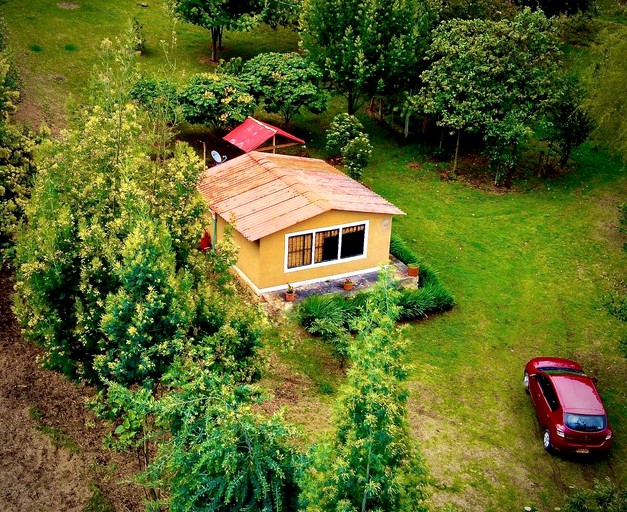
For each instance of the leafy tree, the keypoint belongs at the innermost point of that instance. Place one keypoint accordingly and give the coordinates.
(555, 7)
(10, 80)
(604, 79)
(285, 83)
(345, 134)
(493, 78)
(158, 97)
(149, 314)
(17, 147)
(281, 12)
(568, 124)
(17, 172)
(363, 47)
(217, 100)
(90, 185)
(219, 15)
(370, 462)
(214, 451)
(9, 95)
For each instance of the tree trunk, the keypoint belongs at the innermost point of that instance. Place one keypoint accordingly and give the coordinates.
(406, 131)
(215, 35)
(456, 152)
(220, 38)
(351, 103)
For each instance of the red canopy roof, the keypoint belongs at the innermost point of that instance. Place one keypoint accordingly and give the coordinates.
(251, 134)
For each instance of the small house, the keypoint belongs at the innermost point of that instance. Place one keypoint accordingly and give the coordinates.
(297, 220)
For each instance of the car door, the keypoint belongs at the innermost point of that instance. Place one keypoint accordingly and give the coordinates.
(538, 389)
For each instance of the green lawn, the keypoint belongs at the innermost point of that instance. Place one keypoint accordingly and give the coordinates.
(528, 270)
(57, 48)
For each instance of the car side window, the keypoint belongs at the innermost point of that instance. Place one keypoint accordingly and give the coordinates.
(549, 392)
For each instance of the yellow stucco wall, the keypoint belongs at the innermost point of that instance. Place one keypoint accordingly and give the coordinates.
(263, 262)
(248, 259)
(273, 247)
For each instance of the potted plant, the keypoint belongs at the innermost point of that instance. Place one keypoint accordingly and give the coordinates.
(290, 294)
(348, 284)
(413, 269)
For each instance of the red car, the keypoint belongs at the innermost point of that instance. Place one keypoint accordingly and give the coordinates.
(570, 410)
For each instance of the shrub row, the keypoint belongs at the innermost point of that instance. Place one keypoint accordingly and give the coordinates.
(400, 250)
(330, 316)
(323, 315)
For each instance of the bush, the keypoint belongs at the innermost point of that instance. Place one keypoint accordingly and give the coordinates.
(400, 250)
(603, 498)
(319, 306)
(331, 316)
(139, 39)
(420, 302)
(616, 304)
(342, 130)
(356, 154)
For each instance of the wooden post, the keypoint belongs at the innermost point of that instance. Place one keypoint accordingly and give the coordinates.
(274, 144)
(204, 155)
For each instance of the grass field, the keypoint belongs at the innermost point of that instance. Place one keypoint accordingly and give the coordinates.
(529, 270)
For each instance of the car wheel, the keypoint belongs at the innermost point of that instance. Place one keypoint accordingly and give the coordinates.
(526, 381)
(546, 441)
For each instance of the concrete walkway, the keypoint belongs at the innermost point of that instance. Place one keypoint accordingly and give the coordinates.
(363, 282)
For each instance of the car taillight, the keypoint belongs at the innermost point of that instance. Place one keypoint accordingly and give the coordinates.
(560, 430)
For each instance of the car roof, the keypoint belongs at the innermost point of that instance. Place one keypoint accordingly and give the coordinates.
(540, 363)
(577, 393)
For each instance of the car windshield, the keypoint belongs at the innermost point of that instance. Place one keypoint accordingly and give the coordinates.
(552, 370)
(585, 422)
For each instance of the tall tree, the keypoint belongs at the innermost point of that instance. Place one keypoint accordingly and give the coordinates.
(605, 104)
(492, 78)
(370, 462)
(212, 448)
(150, 313)
(90, 184)
(285, 83)
(363, 47)
(220, 15)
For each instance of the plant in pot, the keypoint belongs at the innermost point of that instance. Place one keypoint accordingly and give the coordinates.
(413, 269)
(348, 284)
(290, 293)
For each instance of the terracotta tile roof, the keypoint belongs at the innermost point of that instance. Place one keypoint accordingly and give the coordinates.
(265, 193)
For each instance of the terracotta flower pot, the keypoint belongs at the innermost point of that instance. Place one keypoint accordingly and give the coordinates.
(413, 270)
(290, 296)
(348, 286)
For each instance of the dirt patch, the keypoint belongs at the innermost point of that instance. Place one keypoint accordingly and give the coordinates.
(206, 60)
(67, 5)
(35, 475)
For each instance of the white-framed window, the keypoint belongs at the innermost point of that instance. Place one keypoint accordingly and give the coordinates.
(326, 246)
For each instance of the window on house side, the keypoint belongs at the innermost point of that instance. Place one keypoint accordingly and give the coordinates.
(353, 239)
(329, 245)
(299, 250)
